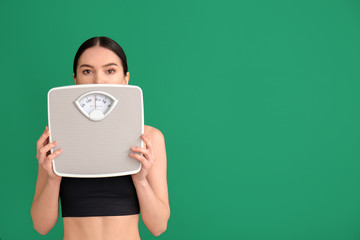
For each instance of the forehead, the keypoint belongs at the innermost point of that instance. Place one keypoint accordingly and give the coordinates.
(98, 56)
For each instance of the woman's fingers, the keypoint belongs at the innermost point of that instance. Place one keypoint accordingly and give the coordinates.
(140, 158)
(147, 141)
(43, 153)
(43, 137)
(147, 160)
(54, 154)
(144, 151)
(48, 162)
(47, 148)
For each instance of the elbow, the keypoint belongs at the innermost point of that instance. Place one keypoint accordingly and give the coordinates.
(163, 226)
(40, 229)
(159, 231)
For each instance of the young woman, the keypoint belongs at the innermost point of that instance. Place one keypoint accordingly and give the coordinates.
(103, 208)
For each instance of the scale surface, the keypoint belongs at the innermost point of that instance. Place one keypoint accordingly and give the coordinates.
(96, 125)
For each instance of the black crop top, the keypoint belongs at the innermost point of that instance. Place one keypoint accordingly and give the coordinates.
(110, 196)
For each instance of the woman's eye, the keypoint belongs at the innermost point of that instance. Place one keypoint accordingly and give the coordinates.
(111, 70)
(87, 71)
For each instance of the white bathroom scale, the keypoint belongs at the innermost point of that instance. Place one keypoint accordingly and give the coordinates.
(96, 125)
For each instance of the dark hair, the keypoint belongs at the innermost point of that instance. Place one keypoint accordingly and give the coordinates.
(103, 42)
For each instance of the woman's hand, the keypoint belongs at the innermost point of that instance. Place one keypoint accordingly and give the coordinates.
(147, 160)
(44, 155)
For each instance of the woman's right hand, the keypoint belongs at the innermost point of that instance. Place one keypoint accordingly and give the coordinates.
(44, 155)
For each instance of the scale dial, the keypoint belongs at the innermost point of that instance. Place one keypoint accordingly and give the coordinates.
(96, 105)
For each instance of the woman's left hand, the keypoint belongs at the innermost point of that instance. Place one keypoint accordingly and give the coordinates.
(147, 160)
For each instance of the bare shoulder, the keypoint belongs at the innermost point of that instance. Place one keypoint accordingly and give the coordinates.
(154, 133)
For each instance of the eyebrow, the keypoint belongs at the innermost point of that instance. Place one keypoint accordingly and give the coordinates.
(106, 65)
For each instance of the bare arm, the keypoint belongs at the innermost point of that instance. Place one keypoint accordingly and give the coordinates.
(151, 183)
(45, 209)
(45, 206)
(154, 213)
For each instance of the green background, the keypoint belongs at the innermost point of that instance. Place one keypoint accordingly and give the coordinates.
(258, 102)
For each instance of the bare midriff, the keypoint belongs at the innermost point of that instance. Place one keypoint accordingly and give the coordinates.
(104, 228)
